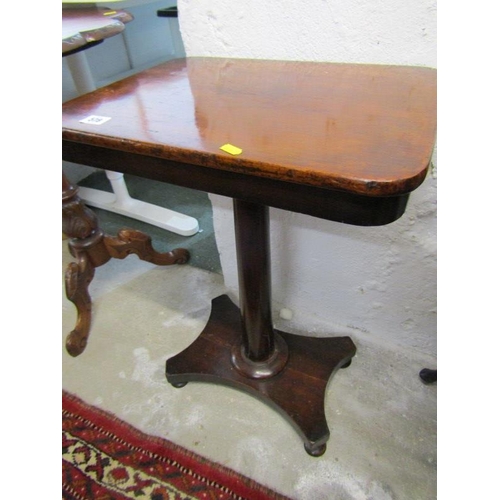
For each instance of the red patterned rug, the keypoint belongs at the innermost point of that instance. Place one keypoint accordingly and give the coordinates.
(105, 458)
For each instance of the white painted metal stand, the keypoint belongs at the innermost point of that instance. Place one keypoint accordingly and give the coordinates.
(120, 201)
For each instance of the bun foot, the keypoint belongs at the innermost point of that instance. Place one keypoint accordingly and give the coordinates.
(178, 385)
(315, 451)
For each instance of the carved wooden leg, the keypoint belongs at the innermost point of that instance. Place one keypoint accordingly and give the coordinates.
(78, 277)
(92, 248)
(131, 241)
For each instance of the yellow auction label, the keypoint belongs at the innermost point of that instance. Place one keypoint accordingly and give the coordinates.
(232, 150)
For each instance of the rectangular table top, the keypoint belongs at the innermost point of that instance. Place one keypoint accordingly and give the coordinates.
(363, 130)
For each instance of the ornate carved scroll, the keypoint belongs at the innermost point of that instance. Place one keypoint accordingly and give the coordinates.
(92, 248)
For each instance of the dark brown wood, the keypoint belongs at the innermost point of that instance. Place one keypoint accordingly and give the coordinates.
(261, 354)
(92, 248)
(86, 27)
(333, 205)
(344, 142)
(254, 275)
(297, 392)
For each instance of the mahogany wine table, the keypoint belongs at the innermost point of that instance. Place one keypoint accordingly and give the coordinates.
(344, 142)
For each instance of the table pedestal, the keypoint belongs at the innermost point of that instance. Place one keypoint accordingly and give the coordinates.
(240, 348)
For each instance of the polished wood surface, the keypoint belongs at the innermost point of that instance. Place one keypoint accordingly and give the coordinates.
(90, 25)
(261, 353)
(344, 142)
(297, 392)
(362, 129)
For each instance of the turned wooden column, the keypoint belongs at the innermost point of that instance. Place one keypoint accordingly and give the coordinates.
(262, 353)
(254, 274)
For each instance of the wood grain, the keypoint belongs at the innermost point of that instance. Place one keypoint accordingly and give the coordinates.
(344, 142)
(363, 129)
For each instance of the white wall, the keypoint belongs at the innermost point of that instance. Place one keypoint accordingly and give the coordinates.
(379, 282)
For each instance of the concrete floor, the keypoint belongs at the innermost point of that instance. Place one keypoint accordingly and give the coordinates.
(382, 418)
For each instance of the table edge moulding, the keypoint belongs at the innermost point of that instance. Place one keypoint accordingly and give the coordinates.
(343, 142)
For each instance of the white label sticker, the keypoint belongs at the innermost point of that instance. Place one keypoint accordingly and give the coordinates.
(95, 120)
